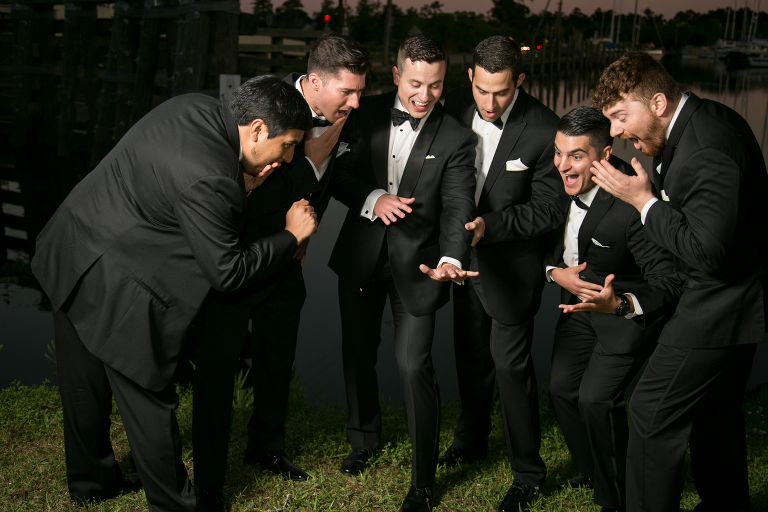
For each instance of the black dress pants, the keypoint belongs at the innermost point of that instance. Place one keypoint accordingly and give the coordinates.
(361, 314)
(87, 385)
(275, 322)
(487, 352)
(689, 395)
(586, 388)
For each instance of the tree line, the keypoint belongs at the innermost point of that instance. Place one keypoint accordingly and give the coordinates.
(460, 31)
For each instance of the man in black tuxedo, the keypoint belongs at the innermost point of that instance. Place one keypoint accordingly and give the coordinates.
(331, 87)
(710, 214)
(519, 200)
(407, 182)
(128, 258)
(599, 348)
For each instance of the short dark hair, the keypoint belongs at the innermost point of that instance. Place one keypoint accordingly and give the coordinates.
(275, 102)
(420, 48)
(334, 53)
(636, 74)
(498, 53)
(587, 121)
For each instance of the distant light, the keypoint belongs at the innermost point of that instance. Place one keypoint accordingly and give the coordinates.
(525, 48)
(327, 17)
(538, 47)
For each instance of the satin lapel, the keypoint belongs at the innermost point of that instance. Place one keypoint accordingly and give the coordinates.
(512, 130)
(600, 206)
(469, 111)
(687, 111)
(655, 174)
(326, 177)
(380, 140)
(420, 151)
(559, 234)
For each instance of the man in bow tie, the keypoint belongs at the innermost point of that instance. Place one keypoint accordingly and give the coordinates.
(621, 288)
(710, 213)
(408, 182)
(519, 200)
(332, 87)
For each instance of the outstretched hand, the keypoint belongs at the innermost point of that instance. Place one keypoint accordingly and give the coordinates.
(318, 149)
(478, 226)
(635, 190)
(603, 301)
(389, 207)
(448, 272)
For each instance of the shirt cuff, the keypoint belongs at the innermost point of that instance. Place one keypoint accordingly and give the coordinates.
(370, 202)
(638, 310)
(317, 173)
(645, 209)
(548, 271)
(446, 259)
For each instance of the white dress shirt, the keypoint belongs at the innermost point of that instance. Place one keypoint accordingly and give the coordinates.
(573, 224)
(401, 141)
(488, 136)
(644, 211)
(316, 132)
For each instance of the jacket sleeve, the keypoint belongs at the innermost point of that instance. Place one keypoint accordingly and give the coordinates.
(543, 212)
(210, 213)
(701, 234)
(282, 188)
(458, 199)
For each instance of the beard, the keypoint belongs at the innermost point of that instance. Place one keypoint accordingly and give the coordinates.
(655, 139)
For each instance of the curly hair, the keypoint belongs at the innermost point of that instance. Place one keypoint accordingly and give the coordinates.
(635, 74)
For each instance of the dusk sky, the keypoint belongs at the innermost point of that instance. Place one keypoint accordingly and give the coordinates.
(665, 7)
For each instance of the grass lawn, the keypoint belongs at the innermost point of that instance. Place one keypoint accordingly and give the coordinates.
(32, 470)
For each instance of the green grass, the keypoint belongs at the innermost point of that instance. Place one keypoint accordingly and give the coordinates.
(32, 470)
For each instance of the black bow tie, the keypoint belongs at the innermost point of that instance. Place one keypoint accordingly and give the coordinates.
(399, 117)
(497, 123)
(581, 204)
(320, 122)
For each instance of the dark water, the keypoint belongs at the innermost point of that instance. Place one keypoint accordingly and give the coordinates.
(25, 330)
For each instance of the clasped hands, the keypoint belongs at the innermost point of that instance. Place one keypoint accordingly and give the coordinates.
(594, 298)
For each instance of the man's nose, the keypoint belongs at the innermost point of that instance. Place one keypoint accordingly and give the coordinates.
(288, 155)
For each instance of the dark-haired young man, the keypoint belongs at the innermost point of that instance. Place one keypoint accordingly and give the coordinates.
(710, 214)
(408, 183)
(519, 200)
(332, 87)
(131, 253)
(620, 289)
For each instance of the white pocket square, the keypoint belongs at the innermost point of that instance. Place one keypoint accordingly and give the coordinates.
(429, 157)
(600, 245)
(343, 148)
(664, 195)
(516, 165)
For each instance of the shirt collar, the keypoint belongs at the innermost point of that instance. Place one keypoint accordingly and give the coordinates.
(297, 84)
(589, 196)
(399, 106)
(683, 99)
(504, 116)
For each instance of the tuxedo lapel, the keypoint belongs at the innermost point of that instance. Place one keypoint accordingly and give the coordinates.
(600, 206)
(687, 111)
(469, 111)
(420, 151)
(380, 141)
(559, 234)
(512, 130)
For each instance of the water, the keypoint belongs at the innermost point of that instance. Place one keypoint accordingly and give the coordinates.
(27, 328)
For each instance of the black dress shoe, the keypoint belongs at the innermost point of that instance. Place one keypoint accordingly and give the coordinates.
(212, 500)
(454, 456)
(355, 463)
(577, 482)
(128, 484)
(417, 500)
(519, 497)
(277, 464)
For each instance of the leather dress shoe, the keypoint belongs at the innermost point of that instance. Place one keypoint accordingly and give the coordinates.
(212, 500)
(417, 500)
(355, 463)
(577, 482)
(276, 463)
(128, 483)
(518, 498)
(454, 456)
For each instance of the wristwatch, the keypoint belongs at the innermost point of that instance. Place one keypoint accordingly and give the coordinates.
(623, 308)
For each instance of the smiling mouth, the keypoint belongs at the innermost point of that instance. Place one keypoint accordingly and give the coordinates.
(570, 179)
(419, 104)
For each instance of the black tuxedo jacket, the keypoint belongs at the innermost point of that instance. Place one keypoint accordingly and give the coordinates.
(443, 187)
(133, 250)
(711, 216)
(519, 207)
(641, 268)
